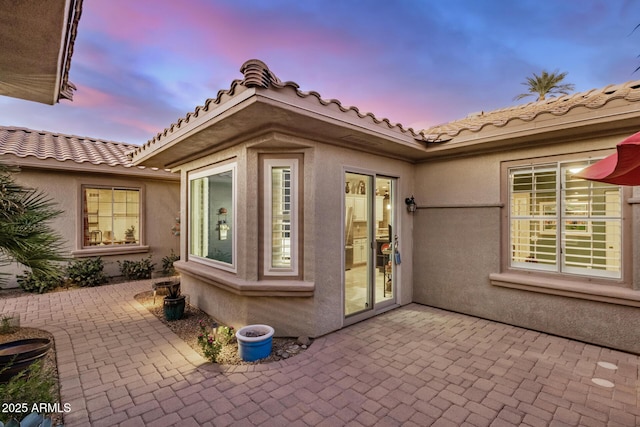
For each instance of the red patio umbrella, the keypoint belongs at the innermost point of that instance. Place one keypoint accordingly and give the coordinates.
(622, 167)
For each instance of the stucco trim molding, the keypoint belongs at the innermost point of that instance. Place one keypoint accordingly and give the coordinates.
(580, 290)
(231, 283)
(464, 206)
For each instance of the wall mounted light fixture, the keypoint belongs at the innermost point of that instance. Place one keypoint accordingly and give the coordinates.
(411, 204)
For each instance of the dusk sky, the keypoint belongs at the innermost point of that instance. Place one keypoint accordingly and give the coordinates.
(140, 65)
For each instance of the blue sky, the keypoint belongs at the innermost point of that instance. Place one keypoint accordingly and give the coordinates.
(140, 65)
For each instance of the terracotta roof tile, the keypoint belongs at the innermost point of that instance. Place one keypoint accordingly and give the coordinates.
(591, 99)
(257, 74)
(43, 145)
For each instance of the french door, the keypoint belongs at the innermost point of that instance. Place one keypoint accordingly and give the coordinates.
(369, 242)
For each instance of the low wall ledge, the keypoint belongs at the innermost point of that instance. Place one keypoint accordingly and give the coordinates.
(110, 250)
(587, 291)
(231, 283)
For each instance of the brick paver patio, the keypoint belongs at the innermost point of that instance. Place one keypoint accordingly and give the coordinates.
(416, 365)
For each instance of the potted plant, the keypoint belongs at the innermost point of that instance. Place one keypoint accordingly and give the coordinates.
(174, 302)
(254, 342)
(130, 234)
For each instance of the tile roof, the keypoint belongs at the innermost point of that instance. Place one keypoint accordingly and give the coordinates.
(591, 99)
(43, 145)
(257, 74)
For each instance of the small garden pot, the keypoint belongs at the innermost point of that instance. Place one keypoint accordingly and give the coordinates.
(254, 342)
(174, 307)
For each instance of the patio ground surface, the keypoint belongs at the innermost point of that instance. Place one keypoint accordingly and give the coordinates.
(416, 365)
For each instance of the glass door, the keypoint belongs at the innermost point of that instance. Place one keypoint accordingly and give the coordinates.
(384, 240)
(368, 246)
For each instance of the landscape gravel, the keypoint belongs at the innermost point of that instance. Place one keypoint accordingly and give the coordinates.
(188, 329)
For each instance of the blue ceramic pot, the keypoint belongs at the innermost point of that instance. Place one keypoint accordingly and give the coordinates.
(254, 342)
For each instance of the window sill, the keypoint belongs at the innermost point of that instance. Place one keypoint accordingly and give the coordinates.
(110, 250)
(567, 288)
(231, 283)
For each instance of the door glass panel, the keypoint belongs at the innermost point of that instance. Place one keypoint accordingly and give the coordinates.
(383, 220)
(357, 245)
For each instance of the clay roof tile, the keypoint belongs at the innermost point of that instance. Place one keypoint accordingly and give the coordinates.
(558, 106)
(43, 145)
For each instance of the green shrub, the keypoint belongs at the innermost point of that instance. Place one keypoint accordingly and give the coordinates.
(87, 272)
(8, 324)
(167, 263)
(137, 270)
(34, 385)
(39, 282)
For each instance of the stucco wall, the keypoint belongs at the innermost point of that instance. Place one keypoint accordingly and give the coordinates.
(161, 206)
(323, 245)
(458, 245)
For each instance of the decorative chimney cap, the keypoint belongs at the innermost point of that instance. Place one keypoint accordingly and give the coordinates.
(257, 74)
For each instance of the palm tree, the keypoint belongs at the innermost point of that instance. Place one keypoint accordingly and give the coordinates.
(25, 235)
(546, 84)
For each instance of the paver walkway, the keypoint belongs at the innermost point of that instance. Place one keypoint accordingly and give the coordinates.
(416, 365)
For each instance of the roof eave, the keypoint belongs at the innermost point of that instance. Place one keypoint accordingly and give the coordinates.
(163, 150)
(255, 110)
(617, 117)
(86, 167)
(37, 44)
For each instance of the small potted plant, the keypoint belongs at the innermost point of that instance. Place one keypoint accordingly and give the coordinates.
(130, 234)
(174, 302)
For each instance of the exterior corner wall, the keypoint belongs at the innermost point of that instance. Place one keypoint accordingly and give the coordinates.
(289, 316)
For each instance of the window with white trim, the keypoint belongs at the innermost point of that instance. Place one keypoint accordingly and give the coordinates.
(281, 217)
(564, 224)
(212, 209)
(111, 216)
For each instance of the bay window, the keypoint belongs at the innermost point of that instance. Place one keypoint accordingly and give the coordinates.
(563, 224)
(212, 209)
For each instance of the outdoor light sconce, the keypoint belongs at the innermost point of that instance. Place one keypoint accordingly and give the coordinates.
(411, 204)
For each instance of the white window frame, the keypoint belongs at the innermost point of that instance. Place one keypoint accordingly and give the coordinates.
(113, 188)
(562, 236)
(203, 173)
(268, 268)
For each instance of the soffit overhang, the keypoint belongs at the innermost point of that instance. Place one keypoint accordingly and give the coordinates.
(88, 169)
(36, 41)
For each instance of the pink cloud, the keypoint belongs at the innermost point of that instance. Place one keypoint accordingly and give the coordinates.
(217, 30)
(147, 128)
(88, 97)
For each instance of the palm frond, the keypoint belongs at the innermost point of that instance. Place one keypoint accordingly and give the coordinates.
(26, 236)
